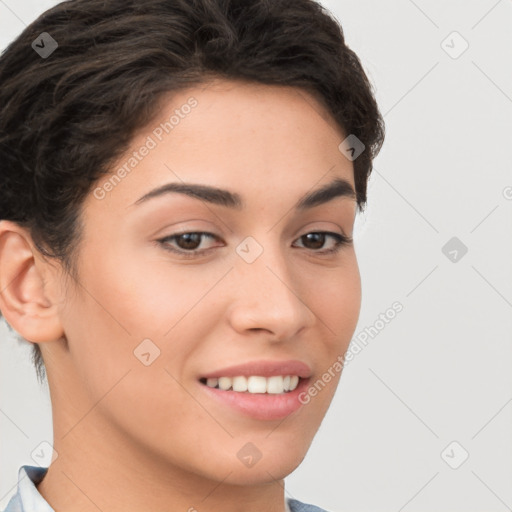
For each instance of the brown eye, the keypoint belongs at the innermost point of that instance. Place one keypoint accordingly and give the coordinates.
(190, 241)
(316, 240)
(186, 244)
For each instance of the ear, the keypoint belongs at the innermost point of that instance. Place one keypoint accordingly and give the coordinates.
(28, 286)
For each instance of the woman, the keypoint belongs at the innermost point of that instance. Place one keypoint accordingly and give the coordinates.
(179, 186)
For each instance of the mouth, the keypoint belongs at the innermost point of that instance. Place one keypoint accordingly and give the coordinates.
(254, 384)
(261, 390)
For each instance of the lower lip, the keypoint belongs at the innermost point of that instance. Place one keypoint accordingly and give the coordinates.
(260, 406)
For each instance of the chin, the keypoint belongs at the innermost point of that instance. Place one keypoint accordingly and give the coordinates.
(262, 473)
(252, 466)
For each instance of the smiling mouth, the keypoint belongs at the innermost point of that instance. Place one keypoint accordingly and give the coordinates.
(254, 384)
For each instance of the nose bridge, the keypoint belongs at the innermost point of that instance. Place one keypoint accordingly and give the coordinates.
(267, 297)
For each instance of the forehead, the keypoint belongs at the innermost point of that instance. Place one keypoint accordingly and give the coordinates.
(254, 137)
(243, 103)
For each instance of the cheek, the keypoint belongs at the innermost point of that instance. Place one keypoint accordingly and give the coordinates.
(145, 297)
(345, 311)
(335, 298)
(149, 306)
(171, 303)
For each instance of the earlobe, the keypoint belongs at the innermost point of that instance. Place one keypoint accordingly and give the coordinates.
(24, 299)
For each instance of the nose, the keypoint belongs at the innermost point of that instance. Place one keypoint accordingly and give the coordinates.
(267, 296)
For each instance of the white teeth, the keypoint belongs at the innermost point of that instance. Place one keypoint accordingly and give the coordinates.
(275, 385)
(256, 384)
(239, 384)
(225, 383)
(212, 382)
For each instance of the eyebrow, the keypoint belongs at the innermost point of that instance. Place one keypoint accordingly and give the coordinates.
(339, 187)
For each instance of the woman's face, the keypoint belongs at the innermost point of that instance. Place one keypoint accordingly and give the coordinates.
(156, 313)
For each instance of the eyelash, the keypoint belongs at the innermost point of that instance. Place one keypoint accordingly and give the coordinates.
(341, 241)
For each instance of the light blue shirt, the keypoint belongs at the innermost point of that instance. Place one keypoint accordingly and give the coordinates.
(28, 498)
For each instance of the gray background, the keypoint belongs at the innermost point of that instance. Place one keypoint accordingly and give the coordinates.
(439, 372)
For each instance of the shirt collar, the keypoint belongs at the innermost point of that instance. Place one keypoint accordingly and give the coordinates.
(27, 497)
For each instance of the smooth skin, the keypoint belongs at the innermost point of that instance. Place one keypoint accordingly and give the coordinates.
(132, 437)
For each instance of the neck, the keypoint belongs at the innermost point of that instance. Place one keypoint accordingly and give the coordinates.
(97, 471)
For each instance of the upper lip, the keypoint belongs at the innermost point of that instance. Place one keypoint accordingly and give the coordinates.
(263, 369)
